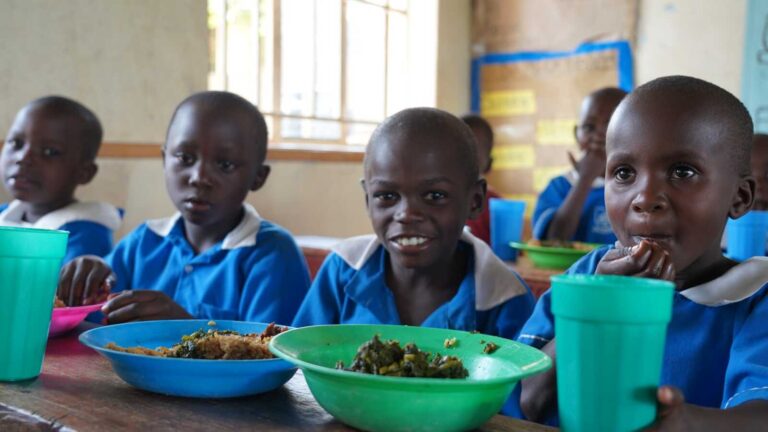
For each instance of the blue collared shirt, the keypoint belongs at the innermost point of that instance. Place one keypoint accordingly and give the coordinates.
(257, 273)
(716, 348)
(594, 226)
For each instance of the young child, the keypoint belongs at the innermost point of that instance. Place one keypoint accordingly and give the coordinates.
(678, 166)
(49, 151)
(421, 184)
(480, 226)
(760, 170)
(216, 258)
(572, 207)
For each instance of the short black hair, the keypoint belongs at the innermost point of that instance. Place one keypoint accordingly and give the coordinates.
(710, 100)
(608, 92)
(226, 103)
(475, 121)
(432, 121)
(91, 132)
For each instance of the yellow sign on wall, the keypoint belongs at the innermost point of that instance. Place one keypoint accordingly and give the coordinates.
(555, 131)
(513, 156)
(508, 103)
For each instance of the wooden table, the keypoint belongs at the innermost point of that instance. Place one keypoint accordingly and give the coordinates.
(536, 278)
(79, 390)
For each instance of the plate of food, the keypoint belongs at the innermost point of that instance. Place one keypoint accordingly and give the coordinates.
(65, 318)
(193, 358)
(400, 378)
(554, 254)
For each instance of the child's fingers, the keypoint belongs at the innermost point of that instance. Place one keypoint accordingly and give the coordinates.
(129, 312)
(77, 286)
(626, 260)
(65, 282)
(572, 160)
(94, 283)
(669, 398)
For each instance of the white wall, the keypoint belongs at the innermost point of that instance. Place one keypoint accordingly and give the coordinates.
(702, 38)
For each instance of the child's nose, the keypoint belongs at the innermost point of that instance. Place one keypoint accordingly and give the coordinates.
(649, 198)
(25, 155)
(199, 175)
(407, 212)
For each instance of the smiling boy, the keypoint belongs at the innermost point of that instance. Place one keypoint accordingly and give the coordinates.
(49, 151)
(216, 258)
(678, 166)
(421, 184)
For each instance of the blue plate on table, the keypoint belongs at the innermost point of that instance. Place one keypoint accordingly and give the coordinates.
(186, 377)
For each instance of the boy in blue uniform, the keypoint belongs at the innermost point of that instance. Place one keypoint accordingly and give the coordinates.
(572, 207)
(217, 258)
(49, 151)
(678, 166)
(420, 268)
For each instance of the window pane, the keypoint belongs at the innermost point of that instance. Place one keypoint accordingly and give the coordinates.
(401, 5)
(328, 60)
(266, 56)
(216, 45)
(243, 48)
(365, 62)
(397, 62)
(359, 133)
(310, 129)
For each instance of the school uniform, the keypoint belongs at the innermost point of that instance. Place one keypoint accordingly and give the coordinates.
(594, 226)
(256, 273)
(716, 348)
(90, 225)
(351, 288)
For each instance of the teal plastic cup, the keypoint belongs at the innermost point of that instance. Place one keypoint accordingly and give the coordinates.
(610, 333)
(30, 260)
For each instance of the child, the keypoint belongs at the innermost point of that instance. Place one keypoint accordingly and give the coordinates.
(572, 206)
(421, 184)
(678, 166)
(50, 150)
(217, 258)
(480, 226)
(760, 170)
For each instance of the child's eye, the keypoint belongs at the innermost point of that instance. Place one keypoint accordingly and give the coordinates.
(587, 127)
(683, 172)
(623, 174)
(435, 196)
(15, 144)
(226, 166)
(384, 196)
(185, 158)
(50, 152)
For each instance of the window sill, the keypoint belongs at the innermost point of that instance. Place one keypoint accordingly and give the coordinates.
(276, 152)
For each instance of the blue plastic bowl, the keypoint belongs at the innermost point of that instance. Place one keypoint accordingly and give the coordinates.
(186, 377)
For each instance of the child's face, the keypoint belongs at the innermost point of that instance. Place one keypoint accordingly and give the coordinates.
(42, 159)
(419, 196)
(667, 181)
(210, 164)
(760, 171)
(595, 114)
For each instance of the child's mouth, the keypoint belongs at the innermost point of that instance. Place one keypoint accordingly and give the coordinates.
(410, 243)
(196, 205)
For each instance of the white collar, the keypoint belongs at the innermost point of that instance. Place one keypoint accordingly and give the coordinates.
(98, 212)
(573, 176)
(495, 282)
(735, 285)
(243, 235)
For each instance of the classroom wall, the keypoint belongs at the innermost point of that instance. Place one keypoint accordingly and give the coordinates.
(703, 38)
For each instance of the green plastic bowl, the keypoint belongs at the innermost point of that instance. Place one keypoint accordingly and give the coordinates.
(380, 403)
(559, 258)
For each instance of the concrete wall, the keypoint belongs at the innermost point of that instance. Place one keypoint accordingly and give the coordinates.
(702, 38)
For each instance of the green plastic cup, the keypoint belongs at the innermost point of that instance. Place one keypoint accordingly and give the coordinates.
(30, 260)
(610, 346)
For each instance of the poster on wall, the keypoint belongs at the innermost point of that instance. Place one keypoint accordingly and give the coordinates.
(754, 73)
(532, 100)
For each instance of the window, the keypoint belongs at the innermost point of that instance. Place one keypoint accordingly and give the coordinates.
(321, 71)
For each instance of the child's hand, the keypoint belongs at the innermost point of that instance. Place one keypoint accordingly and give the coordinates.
(646, 259)
(142, 305)
(592, 163)
(673, 412)
(84, 280)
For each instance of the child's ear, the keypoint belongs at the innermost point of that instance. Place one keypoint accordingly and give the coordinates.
(86, 173)
(477, 202)
(744, 198)
(261, 177)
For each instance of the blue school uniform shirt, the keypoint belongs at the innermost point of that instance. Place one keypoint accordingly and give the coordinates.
(716, 348)
(90, 225)
(350, 288)
(594, 226)
(256, 273)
